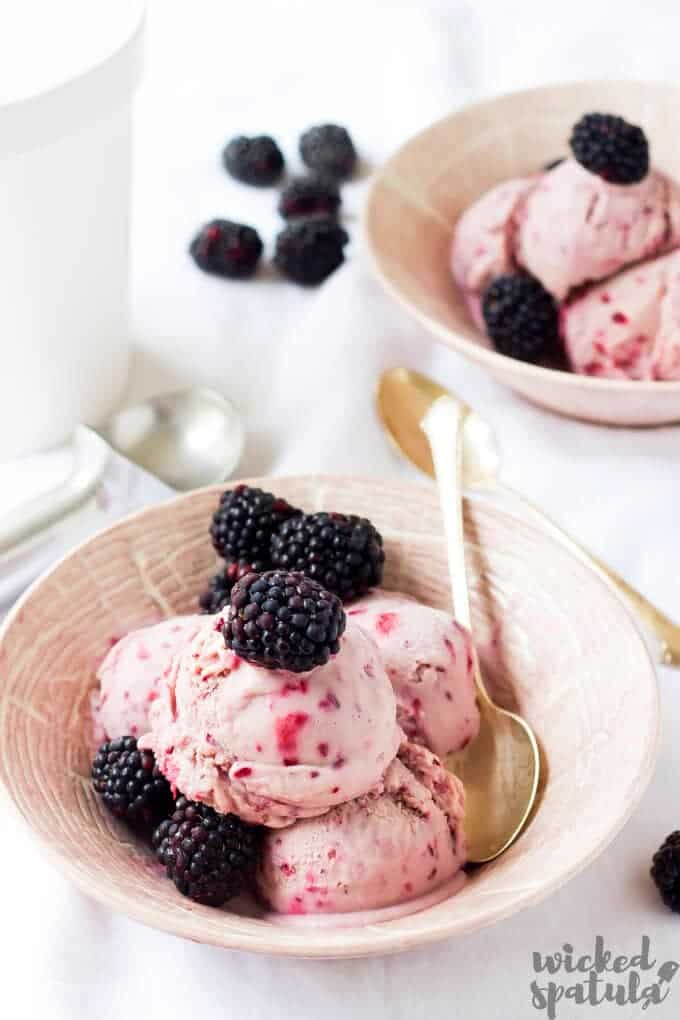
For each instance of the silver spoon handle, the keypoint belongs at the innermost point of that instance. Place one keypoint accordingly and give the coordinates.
(664, 630)
(36, 515)
(443, 426)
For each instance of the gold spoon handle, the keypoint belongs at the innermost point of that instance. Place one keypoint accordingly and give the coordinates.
(662, 627)
(443, 426)
(499, 769)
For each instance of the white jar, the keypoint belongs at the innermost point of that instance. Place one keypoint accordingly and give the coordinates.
(67, 75)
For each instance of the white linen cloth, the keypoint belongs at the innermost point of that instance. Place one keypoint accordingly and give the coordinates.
(303, 365)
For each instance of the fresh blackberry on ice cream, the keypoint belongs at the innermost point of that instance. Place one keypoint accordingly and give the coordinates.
(665, 871)
(611, 148)
(284, 620)
(309, 250)
(520, 315)
(343, 553)
(224, 248)
(328, 149)
(210, 857)
(217, 594)
(243, 524)
(130, 784)
(313, 195)
(255, 160)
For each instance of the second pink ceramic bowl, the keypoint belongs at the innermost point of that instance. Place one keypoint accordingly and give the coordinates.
(423, 189)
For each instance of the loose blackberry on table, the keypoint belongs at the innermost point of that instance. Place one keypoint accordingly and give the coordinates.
(210, 857)
(610, 147)
(256, 160)
(313, 195)
(130, 784)
(284, 620)
(328, 149)
(225, 248)
(665, 871)
(309, 250)
(243, 524)
(343, 553)
(520, 315)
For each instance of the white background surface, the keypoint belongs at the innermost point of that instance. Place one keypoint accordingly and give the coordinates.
(302, 366)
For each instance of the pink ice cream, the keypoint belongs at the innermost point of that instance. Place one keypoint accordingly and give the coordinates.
(484, 241)
(574, 227)
(269, 745)
(566, 227)
(628, 327)
(429, 659)
(132, 673)
(401, 841)
(570, 229)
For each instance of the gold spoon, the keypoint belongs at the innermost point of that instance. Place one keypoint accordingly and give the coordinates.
(403, 397)
(500, 768)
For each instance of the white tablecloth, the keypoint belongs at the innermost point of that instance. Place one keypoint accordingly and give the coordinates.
(302, 364)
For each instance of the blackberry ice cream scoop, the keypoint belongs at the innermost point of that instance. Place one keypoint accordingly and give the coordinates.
(429, 659)
(271, 745)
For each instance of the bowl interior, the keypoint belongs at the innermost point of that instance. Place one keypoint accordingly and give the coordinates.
(555, 642)
(423, 189)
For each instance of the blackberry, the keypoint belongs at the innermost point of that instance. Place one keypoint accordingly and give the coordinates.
(226, 249)
(310, 196)
(611, 148)
(244, 522)
(343, 553)
(253, 160)
(216, 595)
(328, 149)
(130, 784)
(665, 871)
(210, 857)
(284, 620)
(307, 251)
(520, 315)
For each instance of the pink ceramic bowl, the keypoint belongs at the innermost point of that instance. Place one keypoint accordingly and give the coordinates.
(423, 189)
(555, 641)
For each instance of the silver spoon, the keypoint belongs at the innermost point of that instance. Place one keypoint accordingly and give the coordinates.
(188, 439)
(403, 398)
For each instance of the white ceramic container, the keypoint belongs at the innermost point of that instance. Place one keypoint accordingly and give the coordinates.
(67, 76)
